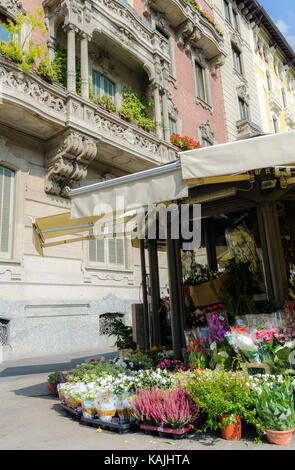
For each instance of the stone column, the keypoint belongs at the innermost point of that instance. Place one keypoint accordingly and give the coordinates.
(71, 54)
(84, 66)
(166, 117)
(158, 114)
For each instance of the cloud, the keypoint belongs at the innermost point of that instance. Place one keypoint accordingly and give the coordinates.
(286, 30)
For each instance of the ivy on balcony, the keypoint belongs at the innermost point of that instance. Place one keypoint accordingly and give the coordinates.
(135, 107)
(60, 66)
(204, 15)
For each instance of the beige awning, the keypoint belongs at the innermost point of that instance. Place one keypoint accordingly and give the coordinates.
(160, 184)
(240, 156)
(61, 229)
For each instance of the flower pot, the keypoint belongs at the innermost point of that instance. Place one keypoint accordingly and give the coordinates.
(233, 432)
(279, 437)
(203, 295)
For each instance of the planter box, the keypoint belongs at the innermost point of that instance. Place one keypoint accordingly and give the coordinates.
(176, 433)
(203, 295)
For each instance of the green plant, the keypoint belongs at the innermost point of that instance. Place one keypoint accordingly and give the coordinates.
(275, 405)
(46, 70)
(123, 334)
(135, 108)
(54, 378)
(218, 393)
(93, 370)
(59, 65)
(106, 102)
(140, 361)
(26, 51)
(237, 293)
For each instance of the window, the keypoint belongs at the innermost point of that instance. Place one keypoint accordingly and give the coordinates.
(227, 10)
(206, 142)
(275, 124)
(108, 251)
(160, 30)
(244, 110)
(6, 211)
(284, 98)
(4, 35)
(236, 21)
(172, 125)
(102, 86)
(268, 80)
(237, 60)
(200, 82)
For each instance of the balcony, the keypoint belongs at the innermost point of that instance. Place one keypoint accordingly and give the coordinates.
(192, 25)
(247, 128)
(289, 117)
(275, 101)
(60, 118)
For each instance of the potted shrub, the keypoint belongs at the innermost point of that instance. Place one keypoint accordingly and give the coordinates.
(167, 411)
(124, 341)
(275, 406)
(226, 398)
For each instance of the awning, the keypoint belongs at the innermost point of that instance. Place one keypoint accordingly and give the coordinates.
(239, 157)
(96, 205)
(160, 184)
(61, 229)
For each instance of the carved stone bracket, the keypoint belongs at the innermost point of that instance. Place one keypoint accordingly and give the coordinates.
(11, 8)
(243, 93)
(206, 132)
(67, 162)
(217, 62)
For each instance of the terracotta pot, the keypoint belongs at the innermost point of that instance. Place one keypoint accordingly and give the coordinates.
(279, 437)
(233, 432)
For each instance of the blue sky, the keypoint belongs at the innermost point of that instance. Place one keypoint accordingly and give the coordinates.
(282, 12)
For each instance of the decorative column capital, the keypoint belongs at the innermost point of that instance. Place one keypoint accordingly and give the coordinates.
(67, 161)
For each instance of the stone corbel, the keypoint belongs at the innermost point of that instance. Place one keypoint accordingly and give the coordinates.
(67, 162)
(11, 8)
(217, 62)
(184, 31)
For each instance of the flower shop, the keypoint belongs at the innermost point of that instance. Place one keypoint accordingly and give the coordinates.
(219, 353)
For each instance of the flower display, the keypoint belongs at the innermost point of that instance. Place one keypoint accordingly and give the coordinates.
(184, 143)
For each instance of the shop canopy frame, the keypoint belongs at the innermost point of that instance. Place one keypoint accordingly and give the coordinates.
(248, 173)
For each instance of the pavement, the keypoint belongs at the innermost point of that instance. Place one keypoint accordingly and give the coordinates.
(31, 419)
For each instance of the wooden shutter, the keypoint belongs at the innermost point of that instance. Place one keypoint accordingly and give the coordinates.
(6, 211)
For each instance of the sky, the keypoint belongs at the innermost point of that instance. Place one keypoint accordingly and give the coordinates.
(282, 12)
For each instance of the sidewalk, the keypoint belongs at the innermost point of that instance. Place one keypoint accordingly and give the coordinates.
(31, 419)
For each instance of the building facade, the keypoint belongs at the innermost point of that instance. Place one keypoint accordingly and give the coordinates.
(54, 138)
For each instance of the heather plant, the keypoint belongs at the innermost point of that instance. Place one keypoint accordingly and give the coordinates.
(174, 408)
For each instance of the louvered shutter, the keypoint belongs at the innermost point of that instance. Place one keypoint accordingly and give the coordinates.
(6, 211)
(97, 251)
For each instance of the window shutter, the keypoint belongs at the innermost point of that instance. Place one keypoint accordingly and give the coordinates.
(6, 211)
(97, 250)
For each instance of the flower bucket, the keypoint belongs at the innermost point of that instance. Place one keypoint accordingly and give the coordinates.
(233, 432)
(279, 437)
(203, 295)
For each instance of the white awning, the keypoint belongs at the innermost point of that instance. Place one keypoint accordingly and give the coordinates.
(160, 184)
(239, 156)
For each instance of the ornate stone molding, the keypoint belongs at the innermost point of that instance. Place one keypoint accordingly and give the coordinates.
(67, 162)
(217, 62)
(11, 8)
(206, 132)
(247, 128)
(243, 92)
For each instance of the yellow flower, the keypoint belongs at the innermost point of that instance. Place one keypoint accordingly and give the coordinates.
(154, 348)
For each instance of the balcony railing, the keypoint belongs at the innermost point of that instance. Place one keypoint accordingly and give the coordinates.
(61, 110)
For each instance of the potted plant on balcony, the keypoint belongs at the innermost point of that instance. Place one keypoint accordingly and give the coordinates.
(124, 341)
(275, 406)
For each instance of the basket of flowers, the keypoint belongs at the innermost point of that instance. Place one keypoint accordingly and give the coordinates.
(206, 286)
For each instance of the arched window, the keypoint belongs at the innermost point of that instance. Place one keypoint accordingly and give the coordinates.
(4, 36)
(6, 211)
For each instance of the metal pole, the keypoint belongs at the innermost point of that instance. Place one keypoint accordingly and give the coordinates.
(155, 290)
(147, 344)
